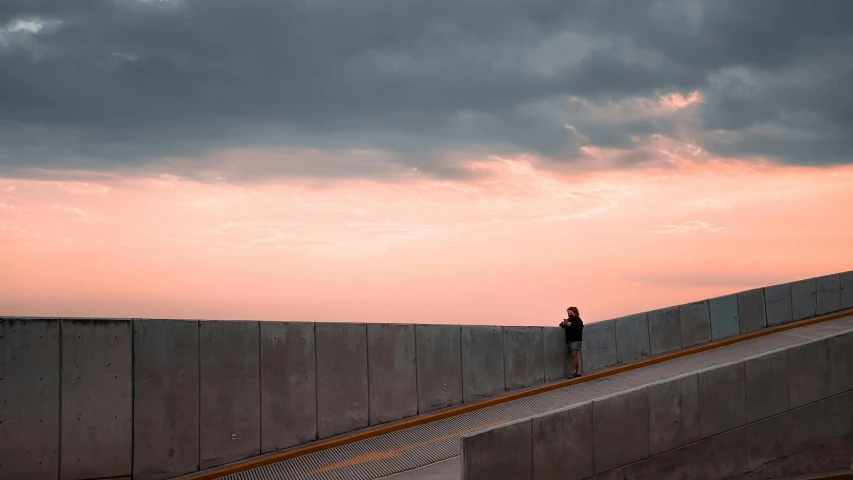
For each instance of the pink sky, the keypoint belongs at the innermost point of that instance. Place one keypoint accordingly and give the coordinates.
(515, 245)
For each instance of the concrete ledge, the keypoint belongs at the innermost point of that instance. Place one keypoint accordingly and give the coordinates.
(500, 452)
(621, 430)
(482, 362)
(632, 338)
(561, 446)
(599, 346)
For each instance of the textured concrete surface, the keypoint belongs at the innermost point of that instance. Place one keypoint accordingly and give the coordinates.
(720, 412)
(561, 444)
(288, 385)
(449, 469)
(165, 398)
(632, 338)
(673, 414)
(557, 362)
(598, 349)
(840, 363)
(803, 299)
(97, 403)
(502, 452)
(439, 366)
(767, 391)
(392, 371)
(524, 357)
(621, 430)
(808, 373)
(29, 399)
(482, 362)
(342, 388)
(229, 404)
(828, 294)
(725, 320)
(751, 310)
(778, 304)
(664, 330)
(846, 280)
(695, 323)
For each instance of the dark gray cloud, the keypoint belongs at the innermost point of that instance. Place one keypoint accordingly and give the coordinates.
(96, 84)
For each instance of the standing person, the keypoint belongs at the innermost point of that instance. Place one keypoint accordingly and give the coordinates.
(573, 327)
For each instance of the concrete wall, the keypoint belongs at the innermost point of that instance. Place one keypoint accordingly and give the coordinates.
(482, 362)
(392, 372)
(342, 382)
(439, 366)
(524, 357)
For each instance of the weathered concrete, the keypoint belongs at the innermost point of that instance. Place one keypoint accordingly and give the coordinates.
(778, 304)
(725, 321)
(846, 280)
(165, 398)
(598, 349)
(288, 385)
(840, 363)
(766, 386)
(664, 330)
(720, 412)
(632, 338)
(482, 362)
(673, 414)
(808, 373)
(229, 404)
(562, 449)
(342, 388)
(439, 366)
(803, 299)
(695, 323)
(392, 371)
(29, 399)
(751, 311)
(524, 357)
(500, 452)
(557, 362)
(621, 430)
(828, 294)
(97, 403)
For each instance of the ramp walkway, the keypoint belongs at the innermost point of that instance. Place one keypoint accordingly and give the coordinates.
(430, 451)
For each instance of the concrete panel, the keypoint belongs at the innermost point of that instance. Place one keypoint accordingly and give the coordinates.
(598, 350)
(803, 299)
(840, 363)
(561, 446)
(97, 402)
(482, 362)
(695, 324)
(499, 452)
(392, 371)
(524, 357)
(342, 388)
(288, 385)
(719, 412)
(557, 360)
(725, 321)
(621, 430)
(632, 338)
(766, 386)
(808, 373)
(439, 366)
(29, 399)
(673, 414)
(229, 404)
(828, 294)
(165, 398)
(664, 330)
(751, 306)
(778, 304)
(846, 280)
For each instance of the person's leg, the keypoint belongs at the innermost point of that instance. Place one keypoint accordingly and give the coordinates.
(580, 363)
(575, 365)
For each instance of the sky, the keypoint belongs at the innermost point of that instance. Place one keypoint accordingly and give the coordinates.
(442, 161)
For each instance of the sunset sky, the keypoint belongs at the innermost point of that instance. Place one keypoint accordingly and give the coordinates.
(442, 161)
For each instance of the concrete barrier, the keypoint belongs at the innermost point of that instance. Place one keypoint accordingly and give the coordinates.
(695, 323)
(439, 366)
(482, 362)
(165, 398)
(560, 444)
(673, 414)
(598, 349)
(767, 390)
(803, 299)
(828, 294)
(778, 304)
(97, 400)
(725, 319)
(498, 452)
(342, 388)
(846, 281)
(840, 363)
(721, 412)
(808, 373)
(29, 398)
(524, 357)
(557, 361)
(632, 338)
(288, 385)
(664, 331)
(751, 310)
(621, 430)
(229, 406)
(392, 368)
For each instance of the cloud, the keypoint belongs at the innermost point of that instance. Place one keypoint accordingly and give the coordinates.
(687, 227)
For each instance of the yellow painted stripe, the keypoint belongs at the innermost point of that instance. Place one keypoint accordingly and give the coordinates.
(459, 410)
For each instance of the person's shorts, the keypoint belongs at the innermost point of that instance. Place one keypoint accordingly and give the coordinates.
(574, 345)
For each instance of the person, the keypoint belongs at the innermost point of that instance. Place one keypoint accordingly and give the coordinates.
(573, 327)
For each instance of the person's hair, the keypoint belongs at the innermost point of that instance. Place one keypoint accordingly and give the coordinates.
(575, 309)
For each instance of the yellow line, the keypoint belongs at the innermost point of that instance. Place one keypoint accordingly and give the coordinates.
(250, 464)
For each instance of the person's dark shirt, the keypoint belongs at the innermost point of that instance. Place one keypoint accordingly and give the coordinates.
(574, 330)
